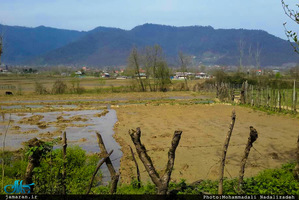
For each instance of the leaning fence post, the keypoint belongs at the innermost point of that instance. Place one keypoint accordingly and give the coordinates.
(268, 96)
(64, 163)
(137, 168)
(279, 100)
(113, 174)
(224, 151)
(97, 169)
(251, 139)
(252, 95)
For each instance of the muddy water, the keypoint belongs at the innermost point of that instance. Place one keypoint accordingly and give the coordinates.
(75, 135)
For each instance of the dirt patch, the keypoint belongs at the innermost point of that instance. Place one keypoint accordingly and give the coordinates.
(204, 129)
(49, 134)
(16, 127)
(30, 131)
(78, 118)
(105, 112)
(42, 125)
(32, 120)
(82, 140)
(60, 119)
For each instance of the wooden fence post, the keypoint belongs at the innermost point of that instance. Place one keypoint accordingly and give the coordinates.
(64, 163)
(268, 96)
(224, 151)
(279, 100)
(252, 103)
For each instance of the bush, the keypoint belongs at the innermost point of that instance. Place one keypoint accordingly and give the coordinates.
(39, 88)
(59, 87)
(79, 169)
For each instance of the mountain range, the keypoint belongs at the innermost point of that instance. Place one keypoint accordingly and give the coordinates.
(105, 46)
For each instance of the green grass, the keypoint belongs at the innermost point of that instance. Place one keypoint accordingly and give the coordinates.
(80, 167)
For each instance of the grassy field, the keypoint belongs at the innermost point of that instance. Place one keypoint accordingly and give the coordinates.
(26, 84)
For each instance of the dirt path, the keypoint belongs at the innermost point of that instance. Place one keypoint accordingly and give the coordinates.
(204, 128)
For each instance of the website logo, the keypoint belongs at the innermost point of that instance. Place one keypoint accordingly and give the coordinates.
(18, 188)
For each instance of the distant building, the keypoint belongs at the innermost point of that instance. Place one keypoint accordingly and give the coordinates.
(202, 75)
(275, 71)
(183, 75)
(106, 75)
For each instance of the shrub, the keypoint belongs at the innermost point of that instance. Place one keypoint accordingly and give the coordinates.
(39, 88)
(59, 87)
(79, 169)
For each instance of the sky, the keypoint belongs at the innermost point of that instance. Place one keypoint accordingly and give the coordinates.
(84, 15)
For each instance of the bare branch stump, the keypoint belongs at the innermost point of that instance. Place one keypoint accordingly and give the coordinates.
(160, 182)
(97, 169)
(137, 168)
(251, 139)
(224, 151)
(113, 174)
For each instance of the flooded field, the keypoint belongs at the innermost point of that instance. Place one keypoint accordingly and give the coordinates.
(80, 127)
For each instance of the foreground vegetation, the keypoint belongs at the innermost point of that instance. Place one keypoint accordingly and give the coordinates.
(48, 178)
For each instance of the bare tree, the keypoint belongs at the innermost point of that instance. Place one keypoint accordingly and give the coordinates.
(134, 63)
(1, 47)
(250, 55)
(185, 61)
(161, 182)
(152, 56)
(241, 50)
(257, 55)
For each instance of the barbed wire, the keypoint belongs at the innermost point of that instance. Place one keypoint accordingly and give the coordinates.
(194, 146)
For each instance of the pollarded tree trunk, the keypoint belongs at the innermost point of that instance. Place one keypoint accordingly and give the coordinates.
(160, 182)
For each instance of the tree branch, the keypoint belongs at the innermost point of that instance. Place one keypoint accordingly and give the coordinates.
(97, 169)
(142, 153)
(225, 147)
(113, 174)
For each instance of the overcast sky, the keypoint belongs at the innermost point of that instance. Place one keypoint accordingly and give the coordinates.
(85, 15)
